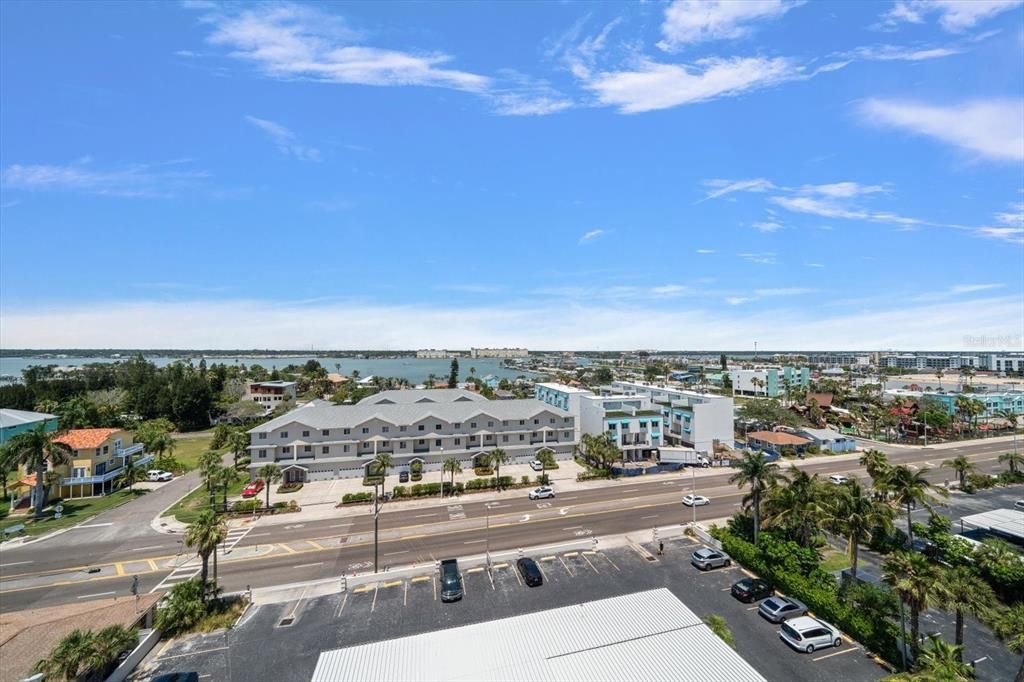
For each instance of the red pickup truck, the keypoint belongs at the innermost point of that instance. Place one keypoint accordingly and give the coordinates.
(253, 489)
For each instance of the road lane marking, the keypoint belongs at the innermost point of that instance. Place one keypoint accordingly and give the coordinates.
(287, 548)
(91, 525)
(835, 653)
(98, 594)
(471, 542)
(573, 528)
(143, 549)
(401, 551)
(192, 653)
(423, 516)
(652, 516)
(315, 544)
(152, 565)
(316, 563)
(119, 567)
(17, 563)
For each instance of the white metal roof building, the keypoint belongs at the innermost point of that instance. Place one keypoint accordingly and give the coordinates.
(644, 636)
(1008, 523)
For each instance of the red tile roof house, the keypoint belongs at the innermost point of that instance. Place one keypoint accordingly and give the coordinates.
(777, 441)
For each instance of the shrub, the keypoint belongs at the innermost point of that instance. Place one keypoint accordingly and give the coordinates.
(980, 481)
(244, 462)
(525, 480)
(245, 506)
(718, 626)
(416, 467)
(289, 487)
(813, 450)
(354, 498)
(400, 491)
(1011, 478)
(293, 505)
(788, 452)
(593, 474)
(416, 476)
(182, 608)
(483, 471)
(373, 480)
(280, 505)
(543, 479)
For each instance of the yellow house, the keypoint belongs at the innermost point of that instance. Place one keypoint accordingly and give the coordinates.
(97, 459)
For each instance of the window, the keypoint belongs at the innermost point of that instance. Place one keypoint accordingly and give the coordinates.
(79, 472)
(437, 443)
(552, 420)
(401, 446)
(437, 427)
(366, 429)
(385, 429)
(401, 428)
(325, 450)
(106, 449)
(490, 423)
(420, 427)
(567, 420)
(457, 425)
(286, 449)
(522, 422)
(504, 439)
(567, 434)
(325, 432)
(307, 448)
(347, 431)
(284, 434)
(263, 436)
(345, 449)
(458, 441)
(536, 421)
(522, 437)
(305, 434)
(422, 441)
(263, 453)
(472, 425)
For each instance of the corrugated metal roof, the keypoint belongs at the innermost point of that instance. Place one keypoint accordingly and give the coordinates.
(643, 636)
(1007, 521)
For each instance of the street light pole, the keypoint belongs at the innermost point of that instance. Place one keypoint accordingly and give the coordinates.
(693, 486)
(376, 514)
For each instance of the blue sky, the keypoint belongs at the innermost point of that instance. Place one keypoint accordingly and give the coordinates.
(554, 175)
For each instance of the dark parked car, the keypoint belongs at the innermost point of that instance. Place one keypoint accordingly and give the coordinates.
(751, 589)
(530, 571)
(177, 677)
(403, 477)
(451, 580)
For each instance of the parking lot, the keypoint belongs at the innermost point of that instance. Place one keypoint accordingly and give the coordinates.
(282, 641)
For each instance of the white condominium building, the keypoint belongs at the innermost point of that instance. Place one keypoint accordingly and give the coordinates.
(322, 441)
(498, 353)
(689, 419)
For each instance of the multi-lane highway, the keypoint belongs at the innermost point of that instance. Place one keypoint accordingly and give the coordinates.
(100, 558)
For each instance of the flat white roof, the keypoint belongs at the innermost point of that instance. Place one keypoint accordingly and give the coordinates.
(561, 387)
(644, 636)
(1008, 522)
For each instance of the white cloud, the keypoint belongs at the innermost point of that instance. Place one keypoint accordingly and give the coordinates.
(890, 53)
(694, 21)
(650, 85)
(787, 291)
(764, 258)
(971, 288)
(767, 226)
(814, 265)
(955, 16)
(670, 290)
(285, 139)
(1013, 235)
(521, 95)
(139, 180)
(829, 208)
(235, 323)
(988, 128)
(591, 236)
(722, 187)
(737, 300)
(706, 251)
(842, 190)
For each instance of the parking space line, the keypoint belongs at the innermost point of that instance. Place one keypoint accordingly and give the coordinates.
(433, 584)
(724, 589)
(373, 604)
(567, 569)
(748, 573)
(405, 596)
(588, 561)
(752, 608)
(341, 606)
(609, 560)
(835, 653)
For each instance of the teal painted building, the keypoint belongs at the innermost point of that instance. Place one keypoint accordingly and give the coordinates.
(13, 422)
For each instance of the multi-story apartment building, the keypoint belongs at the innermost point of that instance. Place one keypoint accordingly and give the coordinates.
(13, 422)
(270, 394)
(930, 361)
(97, 459)
(432, 354)
(689, 418)
(321, 441)
(498, 353)
(994, 402)
(768, 382)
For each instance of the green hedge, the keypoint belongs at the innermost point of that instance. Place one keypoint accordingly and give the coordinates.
(593, 474)
(245, 506)
(289, 487)
(790, 568)
(373, 480)
(355, 498)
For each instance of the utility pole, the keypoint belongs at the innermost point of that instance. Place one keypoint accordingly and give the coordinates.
(693, 486)
(376, 514)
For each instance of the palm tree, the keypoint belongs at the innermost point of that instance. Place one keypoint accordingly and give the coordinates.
(160, 443)
(52, 480)
(961, 465)
(754, 470)
(918, 583)
(965, 592)
(68, 657)
(1014, 459)
(238, 444)
(876, 463)
(1009, 626)
(380, 465)
(798, 505)
(856, 516)
(182, 607)
(209, 465)
(546, 457)
(496, 458)
(994, 555)
(938, 375)
(36, 449)
(910, 488)
(226, 477)
(450, 465)
(7, 465)
(942, 662)
(270, 473)
(130, 474)
(108, 644)
(204, 534)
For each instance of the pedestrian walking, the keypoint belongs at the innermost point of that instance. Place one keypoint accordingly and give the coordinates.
(661, 547)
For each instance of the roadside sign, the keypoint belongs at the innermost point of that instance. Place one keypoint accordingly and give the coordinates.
(59, 508)
(56, 515)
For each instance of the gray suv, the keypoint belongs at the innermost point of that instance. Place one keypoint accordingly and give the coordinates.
(777, 609)
(709, 558)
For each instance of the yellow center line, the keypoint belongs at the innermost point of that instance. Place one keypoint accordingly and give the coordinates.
(120, 568)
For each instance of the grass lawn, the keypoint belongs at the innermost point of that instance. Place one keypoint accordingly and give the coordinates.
(834, 561)
(187, 510)
(187, 450)
(75, 511)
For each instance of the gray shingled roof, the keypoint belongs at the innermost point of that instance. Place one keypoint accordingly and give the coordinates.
(349, 416)
(415, 395)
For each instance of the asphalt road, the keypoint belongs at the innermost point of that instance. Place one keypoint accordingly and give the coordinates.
(120, 543)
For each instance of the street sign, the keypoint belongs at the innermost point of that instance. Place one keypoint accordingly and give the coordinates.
(59, 508)
(56, 515)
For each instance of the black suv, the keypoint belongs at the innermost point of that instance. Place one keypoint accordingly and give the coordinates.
(530, 571)
(751, 589)
(451, 580)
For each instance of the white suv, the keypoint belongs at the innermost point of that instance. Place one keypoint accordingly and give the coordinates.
(158, 475)
(838, 479)
(541, 493)
(807, 634)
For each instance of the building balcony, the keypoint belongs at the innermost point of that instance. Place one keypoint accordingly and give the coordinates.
(109, 475)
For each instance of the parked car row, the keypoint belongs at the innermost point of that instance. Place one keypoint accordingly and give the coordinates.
(451, 578)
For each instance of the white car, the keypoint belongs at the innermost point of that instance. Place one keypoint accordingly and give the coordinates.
(838, 479)
(695, 501)
(158, 475)
(1019, 504)
(807, 634)
(537, 465)
(542, 493)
